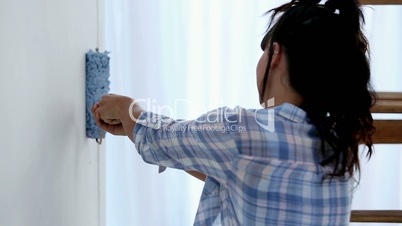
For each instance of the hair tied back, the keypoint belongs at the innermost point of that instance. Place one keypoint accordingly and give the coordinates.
(331, 6)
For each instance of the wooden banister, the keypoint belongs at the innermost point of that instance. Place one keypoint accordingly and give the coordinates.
(388, 131)
(388, 102)
(384, 216)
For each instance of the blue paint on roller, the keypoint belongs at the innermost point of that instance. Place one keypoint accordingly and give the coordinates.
(97, 85)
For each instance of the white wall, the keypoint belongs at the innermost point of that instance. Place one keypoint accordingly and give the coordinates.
(50, 173)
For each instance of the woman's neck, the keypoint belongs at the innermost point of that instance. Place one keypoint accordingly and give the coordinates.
(285, 95)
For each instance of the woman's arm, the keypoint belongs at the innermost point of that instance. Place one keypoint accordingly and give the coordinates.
(205, 144)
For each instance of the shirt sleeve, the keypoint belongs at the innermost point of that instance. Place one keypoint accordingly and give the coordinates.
(206, 144)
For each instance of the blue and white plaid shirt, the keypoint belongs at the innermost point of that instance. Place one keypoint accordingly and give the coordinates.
(263, 165)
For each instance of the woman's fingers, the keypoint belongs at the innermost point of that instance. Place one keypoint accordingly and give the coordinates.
(107, 113)
(112, 121)
(94, 107)
(97, 118)
(109, 106)
(114, 127)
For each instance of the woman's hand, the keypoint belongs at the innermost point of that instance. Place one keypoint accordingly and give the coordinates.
(112, 114)
(113, 126)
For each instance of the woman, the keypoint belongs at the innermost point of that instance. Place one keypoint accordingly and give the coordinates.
(293, 162)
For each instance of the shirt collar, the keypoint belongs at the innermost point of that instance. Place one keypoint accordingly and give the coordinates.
(291, 112)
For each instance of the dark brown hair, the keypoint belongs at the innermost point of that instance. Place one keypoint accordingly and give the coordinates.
(328, 65)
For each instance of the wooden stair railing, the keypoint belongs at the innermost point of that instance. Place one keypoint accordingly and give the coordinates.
(388, 131)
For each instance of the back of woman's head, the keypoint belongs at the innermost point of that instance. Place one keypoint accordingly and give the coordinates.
(327, 56)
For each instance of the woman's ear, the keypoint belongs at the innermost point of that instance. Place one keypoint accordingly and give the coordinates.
(276, 56)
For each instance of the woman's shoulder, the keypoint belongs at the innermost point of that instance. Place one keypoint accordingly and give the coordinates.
(285, 111)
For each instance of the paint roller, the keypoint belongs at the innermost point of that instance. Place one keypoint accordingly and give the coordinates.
(97, 72)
